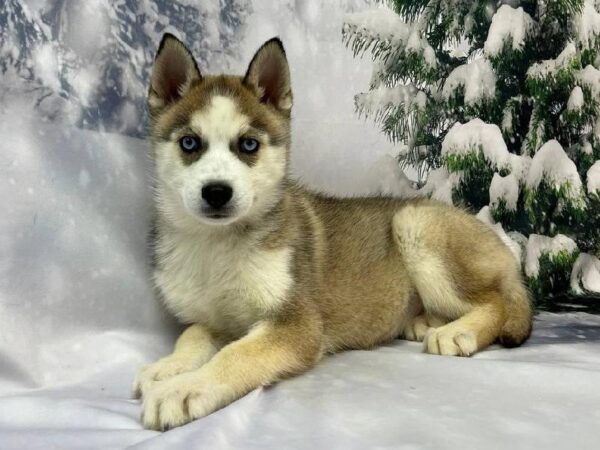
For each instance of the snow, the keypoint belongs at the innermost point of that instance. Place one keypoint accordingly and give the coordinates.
(550, 67)
(539, 245)
(586, 25)
(507, 120)
(89, 77)
(504, 188)
(383, 21)
(46, 64)
(440, 184)
(593, 178)
(476, 77)
(585, 276)
(383, 98)
(85, 83)
(485, 215)
(475, 135)
(519, 166)
(575, 102)
(508, 25)
(552, 165)
(589, 77)
(385, 25)
(521, 241)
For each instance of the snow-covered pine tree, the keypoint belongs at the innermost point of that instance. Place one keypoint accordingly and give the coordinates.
(497, 104)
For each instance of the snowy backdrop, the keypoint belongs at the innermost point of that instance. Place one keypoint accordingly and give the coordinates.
(77, 313)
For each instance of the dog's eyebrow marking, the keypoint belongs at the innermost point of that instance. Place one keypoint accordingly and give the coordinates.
(183, 131)
(275, 135)
(254, 131)
(258, 125)
(180, 121)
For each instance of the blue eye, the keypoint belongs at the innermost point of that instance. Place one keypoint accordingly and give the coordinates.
(248, 145)
(189, 144)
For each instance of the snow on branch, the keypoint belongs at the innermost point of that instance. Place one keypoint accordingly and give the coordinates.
(589, 77)
(468, 139)
(440, 185)
(385, 33)
(504, 189)
(586, 25)
(476, 135)
(477, 78)
(554, 248)
(575, 102)
(509, 26)
(552, 165)
(593, 179)
(395, 107)
(585, 276)
(550, 67)
(383, 99)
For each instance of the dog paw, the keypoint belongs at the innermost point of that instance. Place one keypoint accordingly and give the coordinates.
(162, 369)
(450, 341)
(418, 327)
(179, 400)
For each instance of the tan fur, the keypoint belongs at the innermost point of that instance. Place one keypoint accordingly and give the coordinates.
(362, 272)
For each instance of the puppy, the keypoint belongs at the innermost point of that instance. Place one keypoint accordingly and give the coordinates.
(270, 276)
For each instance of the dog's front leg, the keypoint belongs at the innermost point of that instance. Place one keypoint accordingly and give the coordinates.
(270, 351)
(194, 348)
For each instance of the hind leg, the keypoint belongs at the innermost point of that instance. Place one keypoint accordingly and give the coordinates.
(454, 276)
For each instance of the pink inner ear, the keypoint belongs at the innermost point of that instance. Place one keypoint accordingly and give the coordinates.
(172, 76)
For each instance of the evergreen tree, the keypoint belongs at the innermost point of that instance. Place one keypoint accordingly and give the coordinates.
(91, 61)
(498, 105)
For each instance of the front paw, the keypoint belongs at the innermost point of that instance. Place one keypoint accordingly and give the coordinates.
(179, 400)
(160, 370)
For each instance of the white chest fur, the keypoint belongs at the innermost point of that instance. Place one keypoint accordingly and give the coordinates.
(226, 283)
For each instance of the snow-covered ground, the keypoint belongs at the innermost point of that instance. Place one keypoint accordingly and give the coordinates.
(78, 316)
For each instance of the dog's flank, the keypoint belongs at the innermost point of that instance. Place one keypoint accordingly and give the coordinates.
(270, 276)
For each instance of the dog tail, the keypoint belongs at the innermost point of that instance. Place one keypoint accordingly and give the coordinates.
(519, 315)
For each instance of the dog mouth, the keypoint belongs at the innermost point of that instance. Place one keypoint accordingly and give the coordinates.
(217, 214)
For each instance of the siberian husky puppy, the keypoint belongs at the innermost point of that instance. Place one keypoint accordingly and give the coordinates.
(270, 276)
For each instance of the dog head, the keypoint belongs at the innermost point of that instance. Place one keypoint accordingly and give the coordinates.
(221, 142)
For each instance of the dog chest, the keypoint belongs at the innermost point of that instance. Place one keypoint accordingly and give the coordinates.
(226, 285)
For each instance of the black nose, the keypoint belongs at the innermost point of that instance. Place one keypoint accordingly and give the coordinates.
(217, 194)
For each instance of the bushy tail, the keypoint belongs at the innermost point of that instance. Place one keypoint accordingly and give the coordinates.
(519, 317)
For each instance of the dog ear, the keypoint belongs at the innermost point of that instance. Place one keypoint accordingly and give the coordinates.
(173, 72)
(268, 75)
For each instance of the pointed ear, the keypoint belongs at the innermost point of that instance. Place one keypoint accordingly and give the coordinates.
(268, 75)
(173, 72)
